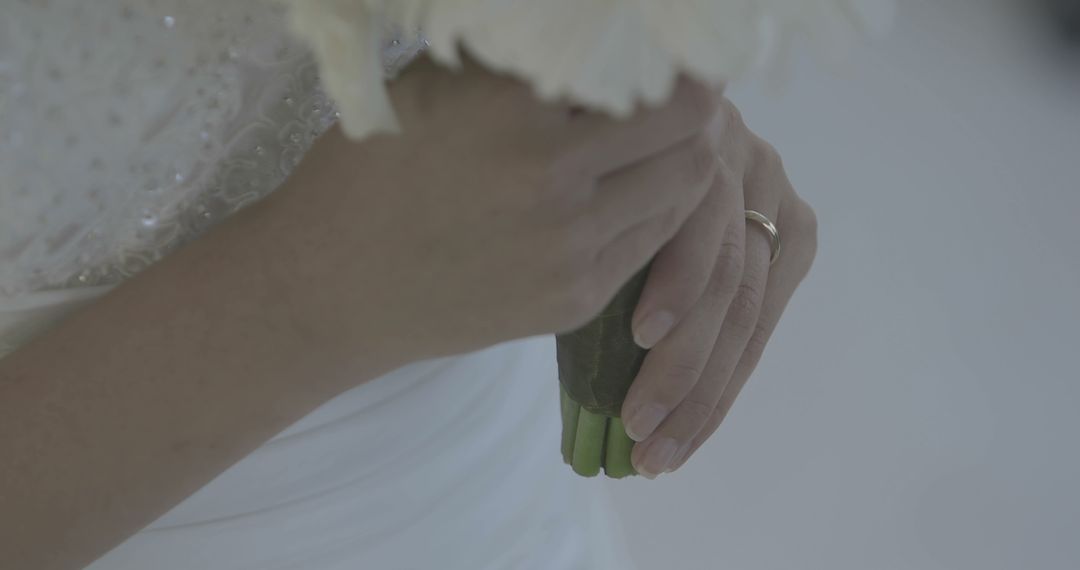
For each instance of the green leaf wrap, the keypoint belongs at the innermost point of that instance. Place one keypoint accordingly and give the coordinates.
(598, 362)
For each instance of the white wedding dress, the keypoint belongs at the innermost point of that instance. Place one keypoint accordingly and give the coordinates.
(128, 127)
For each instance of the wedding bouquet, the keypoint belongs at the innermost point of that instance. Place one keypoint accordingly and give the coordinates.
(611, 55)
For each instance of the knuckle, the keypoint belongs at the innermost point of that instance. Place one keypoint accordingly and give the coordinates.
(697, 101)
(808, 225)
(804, 229)
(695, 412)
(732, 118)
(750, 292)
(682, 374)
(808, 222)
(728, 270)
(703, 159)
(766, 154)
(743, 312)
(756, 344)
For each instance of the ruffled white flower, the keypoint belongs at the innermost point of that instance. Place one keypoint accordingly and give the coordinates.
(607, 54)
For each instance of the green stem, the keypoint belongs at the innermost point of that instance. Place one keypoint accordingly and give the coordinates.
(589, 443)
(570, 413)
(617, 451)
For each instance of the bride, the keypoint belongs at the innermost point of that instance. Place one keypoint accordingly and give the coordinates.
(233, 338)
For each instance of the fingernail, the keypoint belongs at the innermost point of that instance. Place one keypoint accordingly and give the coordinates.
(657, 457)
(653, 328)
(643, 421)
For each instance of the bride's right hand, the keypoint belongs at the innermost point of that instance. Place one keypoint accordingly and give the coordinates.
(491, 217)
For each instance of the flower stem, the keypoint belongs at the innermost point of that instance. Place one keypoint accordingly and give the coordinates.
(617, 451)
(570, 412)
(589, 443)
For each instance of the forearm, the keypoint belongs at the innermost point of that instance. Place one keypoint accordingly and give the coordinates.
(133, 404)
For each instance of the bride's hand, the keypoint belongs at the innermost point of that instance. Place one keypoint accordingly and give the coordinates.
(493, 216)
(712, 300)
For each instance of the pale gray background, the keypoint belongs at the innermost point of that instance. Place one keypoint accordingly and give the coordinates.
(919, 407)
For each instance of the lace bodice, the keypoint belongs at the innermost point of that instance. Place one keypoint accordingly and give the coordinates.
(129, 126)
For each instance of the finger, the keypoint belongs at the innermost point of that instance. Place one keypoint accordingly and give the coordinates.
(710, 427)
(670, 388)
(677, 178)
(630, 250)
(739, 322)
(801, 225)
(600, 143)
(785, 276)
(779, 291)
(620, 260)
(682, 270)
(672, 369)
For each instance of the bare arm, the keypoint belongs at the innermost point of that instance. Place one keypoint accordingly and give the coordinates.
(136, 402)
(361, 263)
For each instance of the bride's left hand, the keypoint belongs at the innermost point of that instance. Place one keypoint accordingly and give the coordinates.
(712, 300)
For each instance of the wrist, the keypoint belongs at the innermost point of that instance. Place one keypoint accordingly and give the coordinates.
(313, 305)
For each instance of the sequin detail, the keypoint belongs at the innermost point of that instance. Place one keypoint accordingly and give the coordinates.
(128, 135)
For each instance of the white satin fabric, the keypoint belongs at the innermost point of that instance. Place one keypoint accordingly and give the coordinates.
(126, 128)
(440, 465)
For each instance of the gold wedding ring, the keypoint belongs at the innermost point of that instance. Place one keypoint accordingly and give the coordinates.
(770, 228)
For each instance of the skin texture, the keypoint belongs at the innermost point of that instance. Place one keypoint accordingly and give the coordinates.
(526, 216)
(493, 217)
(712, 300)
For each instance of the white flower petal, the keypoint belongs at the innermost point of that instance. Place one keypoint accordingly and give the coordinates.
(608, 54)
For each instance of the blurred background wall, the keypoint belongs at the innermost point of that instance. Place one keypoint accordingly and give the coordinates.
(919, 407)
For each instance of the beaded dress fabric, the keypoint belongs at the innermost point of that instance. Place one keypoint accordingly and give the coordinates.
(128, 128)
